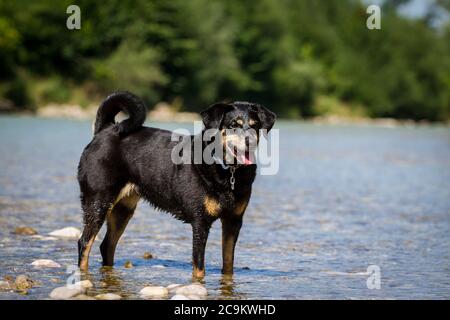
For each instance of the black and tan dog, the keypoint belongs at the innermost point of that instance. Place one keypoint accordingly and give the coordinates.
(126, 161)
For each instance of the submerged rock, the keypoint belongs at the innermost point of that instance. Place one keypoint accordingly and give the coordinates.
(39, 237)
(8, 278)
(23, 282)
(154, 291)
(28, 231)
(147, 255)
(194, 289)
(5, 285)
(128, 264)
(172, 287)
(45, 263)
(68, 232)
(108, 296)
(63, 293)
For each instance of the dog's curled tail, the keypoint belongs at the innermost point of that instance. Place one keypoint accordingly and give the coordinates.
(124, 101)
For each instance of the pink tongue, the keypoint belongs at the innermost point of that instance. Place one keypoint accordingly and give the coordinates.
(245, 159)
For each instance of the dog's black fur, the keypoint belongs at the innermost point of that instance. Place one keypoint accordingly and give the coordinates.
(126, 161)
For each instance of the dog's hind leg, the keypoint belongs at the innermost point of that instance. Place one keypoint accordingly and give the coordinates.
(95, 208)
(117, 220)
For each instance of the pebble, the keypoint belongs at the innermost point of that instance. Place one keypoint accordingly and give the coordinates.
(23, 282)
(63, 293)
(154, 291)
(46, 263)
(5, 285)
(84, 284)
(28, 231)
(8, 278)
(288, 207)
(39, 237)
(108, 296)
(128, 264)
(194, 289)
(68, 232)
(173, 286)
(179, 297)
(147, 255)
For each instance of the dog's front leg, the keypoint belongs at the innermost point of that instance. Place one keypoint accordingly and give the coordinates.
(230, 232)
(200, 231)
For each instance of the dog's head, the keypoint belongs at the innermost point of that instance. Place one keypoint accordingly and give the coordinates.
(240, 124)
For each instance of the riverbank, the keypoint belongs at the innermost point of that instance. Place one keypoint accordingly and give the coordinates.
(163, 112)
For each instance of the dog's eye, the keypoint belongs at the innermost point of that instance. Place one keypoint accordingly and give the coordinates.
(234, 124)
(253, 123)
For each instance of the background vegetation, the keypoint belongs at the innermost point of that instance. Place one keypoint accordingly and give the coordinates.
(301, 58)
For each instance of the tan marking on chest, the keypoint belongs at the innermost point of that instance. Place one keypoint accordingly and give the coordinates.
(212, 206)
(240, 207)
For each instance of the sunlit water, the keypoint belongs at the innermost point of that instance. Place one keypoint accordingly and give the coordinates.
(344, 198)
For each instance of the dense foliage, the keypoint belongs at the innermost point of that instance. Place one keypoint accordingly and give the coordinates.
(301, 58)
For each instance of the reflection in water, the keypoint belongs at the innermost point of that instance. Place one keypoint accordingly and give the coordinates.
(227, 287)
(111, 279)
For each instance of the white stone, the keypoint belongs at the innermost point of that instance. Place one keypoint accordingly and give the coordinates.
(39, 237)
(194, 289)
(84, 284)
(173, 286)
(45, 263)
(179, 297)
(68, 232)
(154, 291)
(108, 296)
(63, 293)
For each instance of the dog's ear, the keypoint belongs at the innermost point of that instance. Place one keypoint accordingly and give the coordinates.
(212, 117)
(266, 116)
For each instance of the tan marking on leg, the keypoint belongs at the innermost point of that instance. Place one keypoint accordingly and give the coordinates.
(84, 264)
(128, 196)
(212, 206)
(198, 273)
(117, 220)
(240, 207)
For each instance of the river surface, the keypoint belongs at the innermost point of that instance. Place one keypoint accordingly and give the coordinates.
(345, 198)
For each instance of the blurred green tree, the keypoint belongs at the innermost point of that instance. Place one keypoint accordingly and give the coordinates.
(282, 53)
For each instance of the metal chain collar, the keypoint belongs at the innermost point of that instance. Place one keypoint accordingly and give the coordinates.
(225, 167)
(232, 179)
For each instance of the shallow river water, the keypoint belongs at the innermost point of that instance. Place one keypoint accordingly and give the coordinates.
(345, 198)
